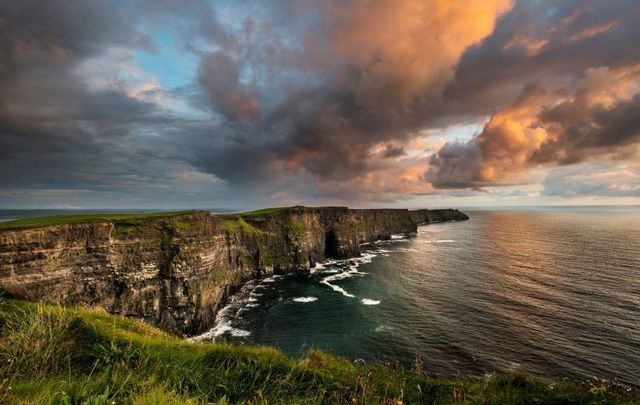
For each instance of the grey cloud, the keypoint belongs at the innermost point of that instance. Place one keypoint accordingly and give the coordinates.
(55, 131)
(295, 103)
(219, 76)
(393, 151)
(455, 166)
(585, 133)
(327, 130)
(593, 179)
(492, 73)
(570, 132)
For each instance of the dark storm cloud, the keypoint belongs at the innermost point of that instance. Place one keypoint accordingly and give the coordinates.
(581, 56)
(311, 97)
(342, 90)
(370, 94)
(393, 151)
(592, 123)
(56, 129)
(546, 41)
(219, 77)
(57, 31)
(583, 133)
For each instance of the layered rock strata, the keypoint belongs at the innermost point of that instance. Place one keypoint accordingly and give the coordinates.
(175, 271)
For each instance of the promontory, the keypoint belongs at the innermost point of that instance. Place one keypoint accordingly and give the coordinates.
(175, 270)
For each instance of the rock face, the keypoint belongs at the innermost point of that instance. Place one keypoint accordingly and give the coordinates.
(175, 271)
(422, 217)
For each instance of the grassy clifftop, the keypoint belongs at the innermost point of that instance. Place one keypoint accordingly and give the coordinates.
(53, 354)
(35, 222)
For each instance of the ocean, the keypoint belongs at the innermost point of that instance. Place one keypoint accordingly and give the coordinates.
(553, 292)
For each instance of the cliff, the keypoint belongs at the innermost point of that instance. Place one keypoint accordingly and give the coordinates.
(175, 270)
(422, 217)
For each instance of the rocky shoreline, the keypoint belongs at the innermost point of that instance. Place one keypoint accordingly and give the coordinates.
(176, 270)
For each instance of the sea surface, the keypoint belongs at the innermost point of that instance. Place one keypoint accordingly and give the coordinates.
(553, 292)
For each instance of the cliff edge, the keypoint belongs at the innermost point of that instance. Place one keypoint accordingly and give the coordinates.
(176, 270)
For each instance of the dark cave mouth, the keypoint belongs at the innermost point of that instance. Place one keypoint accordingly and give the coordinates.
(331, 245)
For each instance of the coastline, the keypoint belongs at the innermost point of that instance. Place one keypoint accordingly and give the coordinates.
(244, 299)
(176, 270)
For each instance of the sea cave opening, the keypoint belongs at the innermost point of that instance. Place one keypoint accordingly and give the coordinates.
(330, 245)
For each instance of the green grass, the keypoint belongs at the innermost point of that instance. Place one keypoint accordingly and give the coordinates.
(236, 225)
(294, 227)
(53, 354)
(87, 218)
(264, 211)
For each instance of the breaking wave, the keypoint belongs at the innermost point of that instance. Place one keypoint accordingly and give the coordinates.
(305, 299)
(367, 301)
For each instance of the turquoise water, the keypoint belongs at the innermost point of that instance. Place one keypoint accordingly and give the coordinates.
(555, 293)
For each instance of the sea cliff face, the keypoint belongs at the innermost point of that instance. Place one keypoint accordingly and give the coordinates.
(423, 217)
(175, 271)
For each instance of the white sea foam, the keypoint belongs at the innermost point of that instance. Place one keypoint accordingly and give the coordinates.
(305, 299)
(246, 298)
(406, 250)
(437, 241)
(383, 328)
(352, 271)
(337, 289)
(220, 329)
(322, 266)
(231, 313)
(272, 279)
(392, 240)
(226, 328)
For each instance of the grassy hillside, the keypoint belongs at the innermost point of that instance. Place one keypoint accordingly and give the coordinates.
(52, 354)
(264, 211)
(34, 222)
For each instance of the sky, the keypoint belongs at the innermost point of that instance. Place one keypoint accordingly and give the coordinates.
(367, 103)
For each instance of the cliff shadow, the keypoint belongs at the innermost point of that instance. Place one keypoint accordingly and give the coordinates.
(331, 250)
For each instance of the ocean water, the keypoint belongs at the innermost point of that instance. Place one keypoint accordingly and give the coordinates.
(554, 292)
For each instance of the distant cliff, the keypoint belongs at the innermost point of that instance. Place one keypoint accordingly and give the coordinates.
(422, 217)
(176, 270)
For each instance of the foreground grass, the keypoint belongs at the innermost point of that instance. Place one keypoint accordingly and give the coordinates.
(85, 218)
(53, 354)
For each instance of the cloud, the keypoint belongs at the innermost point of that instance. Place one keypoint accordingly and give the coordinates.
(530, 46)
(393, 151)
(601, 179)
(76, 113)
(412, 50)
(351, 86)
(219, 76)
(315, 100)
(548, 127)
